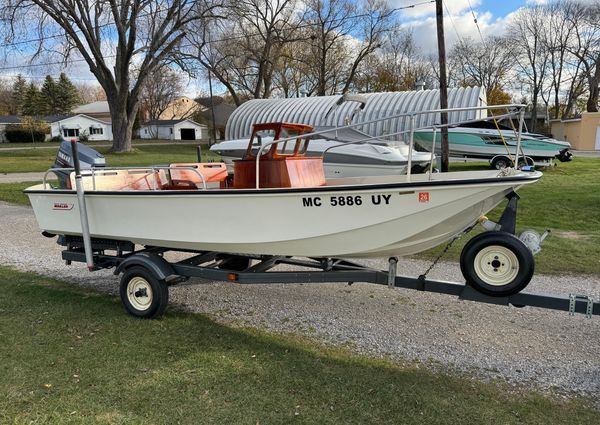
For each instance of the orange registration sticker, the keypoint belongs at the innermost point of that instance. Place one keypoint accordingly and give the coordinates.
(423, 196)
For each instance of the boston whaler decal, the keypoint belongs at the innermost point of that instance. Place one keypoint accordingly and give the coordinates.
(62, 206)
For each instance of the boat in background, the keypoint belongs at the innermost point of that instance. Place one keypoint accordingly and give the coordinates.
(346, 153)
(483, 140)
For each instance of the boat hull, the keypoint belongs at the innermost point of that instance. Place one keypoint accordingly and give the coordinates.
(350, 219)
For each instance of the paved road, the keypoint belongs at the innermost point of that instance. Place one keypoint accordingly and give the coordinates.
(21, 177)
(544, 349)
(107, 145)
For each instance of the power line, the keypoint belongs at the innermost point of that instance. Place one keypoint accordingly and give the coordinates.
(452, 21)
(64, 62)
(476, 23)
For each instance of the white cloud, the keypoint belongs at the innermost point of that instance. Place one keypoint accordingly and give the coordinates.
(457, 25)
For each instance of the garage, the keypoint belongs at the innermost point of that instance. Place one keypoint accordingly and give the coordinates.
(184, 129)
(188, 134)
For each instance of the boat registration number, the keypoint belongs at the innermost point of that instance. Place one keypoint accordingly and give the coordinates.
(346, 200)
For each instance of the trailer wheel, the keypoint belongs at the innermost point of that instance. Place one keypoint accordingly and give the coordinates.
(500, 162)
(525, 161)
(142, 294)
(497, 264)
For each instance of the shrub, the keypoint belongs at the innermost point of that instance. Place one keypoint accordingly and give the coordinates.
(24, 136)
(84, 136)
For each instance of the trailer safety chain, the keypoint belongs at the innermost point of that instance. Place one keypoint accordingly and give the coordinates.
(423, 276)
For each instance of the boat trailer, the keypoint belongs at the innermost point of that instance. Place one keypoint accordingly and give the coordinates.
(147, 275)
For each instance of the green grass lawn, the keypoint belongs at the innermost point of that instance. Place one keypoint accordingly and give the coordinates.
(73, 356)
(20, 161)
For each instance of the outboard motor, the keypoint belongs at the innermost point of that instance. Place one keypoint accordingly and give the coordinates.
(88, 158)
(564, 155)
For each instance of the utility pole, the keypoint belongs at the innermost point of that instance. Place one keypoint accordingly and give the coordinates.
(212, 111)
(443, 82)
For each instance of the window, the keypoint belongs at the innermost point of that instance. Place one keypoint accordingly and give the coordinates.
(145, 131)
(171, 130)
(96, 130)
(71, 132)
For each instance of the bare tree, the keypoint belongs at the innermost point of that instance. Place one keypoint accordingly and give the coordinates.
(397, 66)
(242, 52)
(526, 33)
(487, 63)
(109, 35)
(162, 88)
(344, 33)
(89, 92)
(557, 39)
(585, 21)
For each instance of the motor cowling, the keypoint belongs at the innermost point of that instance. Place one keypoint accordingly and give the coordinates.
(564, 155)
(88, 158)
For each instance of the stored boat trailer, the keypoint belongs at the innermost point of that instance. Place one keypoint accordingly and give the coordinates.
(147, 276)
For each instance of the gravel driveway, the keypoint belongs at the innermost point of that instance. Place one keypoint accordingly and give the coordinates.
(546, 349)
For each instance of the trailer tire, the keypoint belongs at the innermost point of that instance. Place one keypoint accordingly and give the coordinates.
(500, 162)
(143, 295)
(525, 162)
(497, 264)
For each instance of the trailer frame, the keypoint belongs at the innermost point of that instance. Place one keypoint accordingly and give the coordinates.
(209, 265)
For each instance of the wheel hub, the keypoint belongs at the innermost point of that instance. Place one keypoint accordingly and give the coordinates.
(496, 265)
(139, 293)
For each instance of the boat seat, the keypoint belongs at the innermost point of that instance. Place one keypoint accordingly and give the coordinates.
(160, 179)
(213, 172)
(122, 179)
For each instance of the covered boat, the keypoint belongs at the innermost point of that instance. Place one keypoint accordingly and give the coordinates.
(346, 153)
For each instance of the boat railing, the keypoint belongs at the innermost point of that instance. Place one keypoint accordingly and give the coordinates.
(104, 170)
(518, 109)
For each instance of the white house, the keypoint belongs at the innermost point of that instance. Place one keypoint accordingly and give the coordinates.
(75, 126)
(185, 129)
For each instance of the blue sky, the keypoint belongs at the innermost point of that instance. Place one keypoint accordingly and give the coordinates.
(492, 17)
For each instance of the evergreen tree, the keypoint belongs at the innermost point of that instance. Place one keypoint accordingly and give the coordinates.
(31, 101)
(67, 95)
(18, 95)
(49, 95)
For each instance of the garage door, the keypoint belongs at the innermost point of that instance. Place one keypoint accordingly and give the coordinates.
(188, 134)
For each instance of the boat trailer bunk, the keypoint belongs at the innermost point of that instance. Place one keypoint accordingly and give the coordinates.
(147, 276)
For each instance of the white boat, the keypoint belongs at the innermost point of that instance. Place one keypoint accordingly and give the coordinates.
(291, 209)
(484, 140)
(346, 153)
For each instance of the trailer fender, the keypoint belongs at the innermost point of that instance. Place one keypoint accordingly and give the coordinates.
(152, 262)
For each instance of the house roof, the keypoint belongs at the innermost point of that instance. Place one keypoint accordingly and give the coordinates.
(99, 107)
(54, 118)
(57, 118)
(14, 119)
(222, 113)
(10, 119)
(206, 101)
(167, 123)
